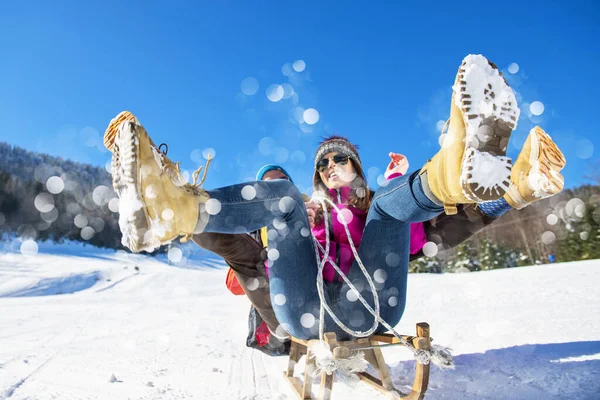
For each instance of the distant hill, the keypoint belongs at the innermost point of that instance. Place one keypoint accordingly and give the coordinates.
(44, 197)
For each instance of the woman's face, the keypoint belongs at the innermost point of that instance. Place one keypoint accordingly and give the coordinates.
(336, 174)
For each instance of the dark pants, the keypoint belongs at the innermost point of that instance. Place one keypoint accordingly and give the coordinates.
(247, 257)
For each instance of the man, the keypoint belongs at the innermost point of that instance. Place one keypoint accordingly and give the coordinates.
(246, 255)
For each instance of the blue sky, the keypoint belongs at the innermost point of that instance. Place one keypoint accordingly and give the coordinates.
(380, 74)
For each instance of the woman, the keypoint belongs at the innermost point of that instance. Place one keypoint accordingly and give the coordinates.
(157, 206)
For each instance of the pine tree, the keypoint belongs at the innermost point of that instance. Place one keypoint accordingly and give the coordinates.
(493, 256)
(425, 264)
(466, 258)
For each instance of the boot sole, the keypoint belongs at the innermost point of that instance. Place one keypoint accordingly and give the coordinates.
(546, 161)
(133, 219)
(490, 114)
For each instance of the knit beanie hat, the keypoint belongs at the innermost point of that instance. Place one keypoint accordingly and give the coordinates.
(337, 144)
(271, 167)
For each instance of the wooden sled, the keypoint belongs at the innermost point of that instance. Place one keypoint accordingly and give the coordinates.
(373, 354)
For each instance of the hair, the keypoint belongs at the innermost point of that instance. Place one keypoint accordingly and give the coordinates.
(360, 194)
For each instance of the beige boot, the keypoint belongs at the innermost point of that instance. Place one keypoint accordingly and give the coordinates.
(536, 174)
(156, 205)
(471, 166)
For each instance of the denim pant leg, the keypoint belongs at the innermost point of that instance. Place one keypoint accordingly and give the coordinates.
(385, 252)
(278, 205)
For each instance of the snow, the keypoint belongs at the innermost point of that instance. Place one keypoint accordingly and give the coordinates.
(79, 322)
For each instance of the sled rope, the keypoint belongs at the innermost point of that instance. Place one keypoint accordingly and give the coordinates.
(325, 361)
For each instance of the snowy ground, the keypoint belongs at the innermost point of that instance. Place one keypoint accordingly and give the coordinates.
(88, 325)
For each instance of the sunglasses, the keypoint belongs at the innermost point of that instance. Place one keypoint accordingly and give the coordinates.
(323, 163)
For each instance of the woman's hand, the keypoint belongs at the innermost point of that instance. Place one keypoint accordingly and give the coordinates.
(399, 164)
(311, 209)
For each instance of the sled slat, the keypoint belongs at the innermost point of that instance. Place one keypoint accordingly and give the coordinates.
(391, 339)
(376, 383)
(297, 385)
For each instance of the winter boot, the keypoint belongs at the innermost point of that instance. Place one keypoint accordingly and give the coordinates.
(471, 166)
(156, 205)
(536, 174)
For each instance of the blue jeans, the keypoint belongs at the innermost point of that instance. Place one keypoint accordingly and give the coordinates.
(384, 251)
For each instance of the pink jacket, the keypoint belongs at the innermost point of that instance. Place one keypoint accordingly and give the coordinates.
(339, 247)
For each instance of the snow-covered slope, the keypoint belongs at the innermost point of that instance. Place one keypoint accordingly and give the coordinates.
(97, 327)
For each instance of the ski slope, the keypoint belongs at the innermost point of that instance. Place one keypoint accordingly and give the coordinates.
(88, 325)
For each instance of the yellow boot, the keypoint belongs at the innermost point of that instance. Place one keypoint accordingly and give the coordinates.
(472, 166)
(536, 174)
(156, 205)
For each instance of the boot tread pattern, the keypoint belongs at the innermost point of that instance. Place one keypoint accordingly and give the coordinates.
(490, 114)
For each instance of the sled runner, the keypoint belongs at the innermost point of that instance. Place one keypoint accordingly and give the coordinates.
(371, 346)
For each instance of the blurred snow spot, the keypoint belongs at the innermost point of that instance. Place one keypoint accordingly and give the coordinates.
(213, 206)
(280, 299)
(585, 149)
(299, 65)
(275, 93)
(55, 185)
(196, 156)
(430, 249)
(392, 259)
(102, 195)
(393, 301)
(249, 86)
(357, 318)
(298, 157)
(536, 108)
(273, 254)
(307, 320)
(345, 215)
(352, 295)
(288, 90)
(175, 254)
(266, 146)
(209, 153)
(440, 125)
(513, 68)
(80, 221)
(252, 284)
(113, 204)
(44, 202)
(548, 237)
(311, 116)
(279, 223)
(29, 248)
(287, 69)
(552, 219)
(87, 233)
(380, 276)
(51, 216)
(286, 204)
(167, 214)
(297, 115)
(281, 155)
(584, 235)
(248, 192)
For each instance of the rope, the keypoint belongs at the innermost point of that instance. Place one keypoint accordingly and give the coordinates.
(325, 361)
